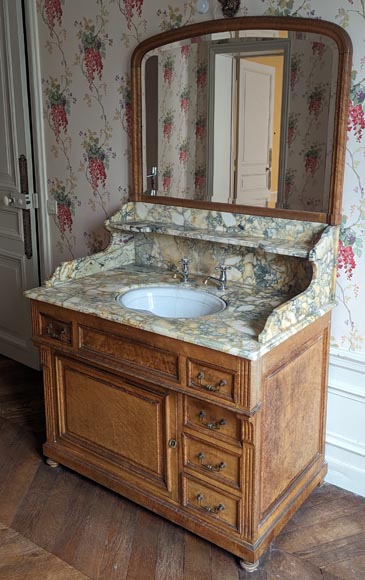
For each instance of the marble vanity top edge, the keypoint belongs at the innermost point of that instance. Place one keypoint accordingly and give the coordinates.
(230, 331)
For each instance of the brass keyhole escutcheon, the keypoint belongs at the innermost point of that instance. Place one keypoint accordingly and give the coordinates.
(173, 443)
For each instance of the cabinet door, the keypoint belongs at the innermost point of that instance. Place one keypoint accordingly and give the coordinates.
(119, 427)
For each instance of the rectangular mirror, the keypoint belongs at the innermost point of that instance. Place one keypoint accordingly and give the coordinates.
(247, 117)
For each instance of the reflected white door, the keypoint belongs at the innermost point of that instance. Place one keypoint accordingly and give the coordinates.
(255, 132)
(18, 243)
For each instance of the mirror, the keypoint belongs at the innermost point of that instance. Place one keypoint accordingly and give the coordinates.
(249, 116)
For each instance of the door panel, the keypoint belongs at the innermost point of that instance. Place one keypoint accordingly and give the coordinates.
(18, 268)
(255, 132)
(119, 424)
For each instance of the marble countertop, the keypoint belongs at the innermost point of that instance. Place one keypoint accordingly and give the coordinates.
(234, 330)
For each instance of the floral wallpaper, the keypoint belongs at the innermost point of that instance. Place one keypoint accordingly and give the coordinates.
(87, 102)
(313, 66)
(181, 118)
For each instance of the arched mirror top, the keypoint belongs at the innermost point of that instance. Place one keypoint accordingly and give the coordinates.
(246, 115)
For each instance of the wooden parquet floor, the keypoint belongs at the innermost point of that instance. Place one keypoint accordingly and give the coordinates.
(57, 525)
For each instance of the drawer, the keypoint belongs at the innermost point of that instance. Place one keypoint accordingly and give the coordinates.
(218, 382)
(211, 460)
(55, 329)
(206, 418)
(122, 349)
(212, 504)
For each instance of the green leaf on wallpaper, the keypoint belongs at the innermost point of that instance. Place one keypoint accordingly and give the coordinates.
(343, 17)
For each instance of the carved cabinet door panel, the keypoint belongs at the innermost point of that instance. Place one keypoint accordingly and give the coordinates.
(123, 428)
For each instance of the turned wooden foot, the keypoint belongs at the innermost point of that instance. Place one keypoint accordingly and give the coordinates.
(249, 566)
(52, 463)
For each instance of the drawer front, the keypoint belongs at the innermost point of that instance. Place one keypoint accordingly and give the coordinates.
(55, 329)
(212, 419)
(212, 461)
(120, 348)
(212, 504)
(216, 382)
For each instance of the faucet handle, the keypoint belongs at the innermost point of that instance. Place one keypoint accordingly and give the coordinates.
(223, 267)
(185, 261)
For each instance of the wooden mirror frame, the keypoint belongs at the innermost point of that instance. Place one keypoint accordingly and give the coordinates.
(292, 24)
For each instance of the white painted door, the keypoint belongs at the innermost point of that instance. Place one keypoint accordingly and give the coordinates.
(255, 132)
(18, 244)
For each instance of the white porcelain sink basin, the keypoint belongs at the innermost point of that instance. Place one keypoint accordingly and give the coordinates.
(172, 302)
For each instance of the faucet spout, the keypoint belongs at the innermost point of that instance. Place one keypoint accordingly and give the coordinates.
(222, 280)
(184, 272)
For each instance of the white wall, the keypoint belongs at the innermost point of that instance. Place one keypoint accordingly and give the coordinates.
(345, 437)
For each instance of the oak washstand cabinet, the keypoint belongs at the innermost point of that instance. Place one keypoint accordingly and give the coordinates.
(217, 422)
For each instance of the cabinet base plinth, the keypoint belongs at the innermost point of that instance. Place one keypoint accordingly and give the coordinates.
(249, 566)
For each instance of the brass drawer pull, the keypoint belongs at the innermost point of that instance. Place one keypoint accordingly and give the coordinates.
(207, 508)
(210, 467)
(58, 334)
(211, 388)
(214, 425)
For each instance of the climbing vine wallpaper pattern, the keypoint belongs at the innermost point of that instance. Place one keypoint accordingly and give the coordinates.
(86, 49)
(313, 64)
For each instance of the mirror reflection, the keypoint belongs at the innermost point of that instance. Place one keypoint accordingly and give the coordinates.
(242, 118)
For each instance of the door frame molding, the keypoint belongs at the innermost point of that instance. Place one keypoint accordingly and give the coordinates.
(38, 136)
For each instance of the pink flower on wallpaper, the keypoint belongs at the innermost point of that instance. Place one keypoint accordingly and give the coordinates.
(93, 63)
(185, 99)
(312, 159)
(345, 260)
(97, 160)
(199, 180)
(97, 172)
(289, 182)
(168, 70)
(129, 7)
(93, 48)
(356, 121)
(318, 48)
(201, 75)
(183, 152)
(59, 106)
(53, 12)
(295, 68)
(167, 124)
(292, 126)
(167, 174)
(200, 127)
(59, 120)
(315, 100)
(65, 206)
(185, 51)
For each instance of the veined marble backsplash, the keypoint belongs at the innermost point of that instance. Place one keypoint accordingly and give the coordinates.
(275, 252)
(253, 267)
(249, 265)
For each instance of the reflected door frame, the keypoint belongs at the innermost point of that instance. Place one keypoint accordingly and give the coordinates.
(269, 46)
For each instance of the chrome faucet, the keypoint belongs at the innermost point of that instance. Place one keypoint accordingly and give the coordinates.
(184, 273)
(222, 280)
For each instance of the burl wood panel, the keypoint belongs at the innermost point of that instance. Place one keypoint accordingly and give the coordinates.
(118, 420)
(122, 349)
(291, 420)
